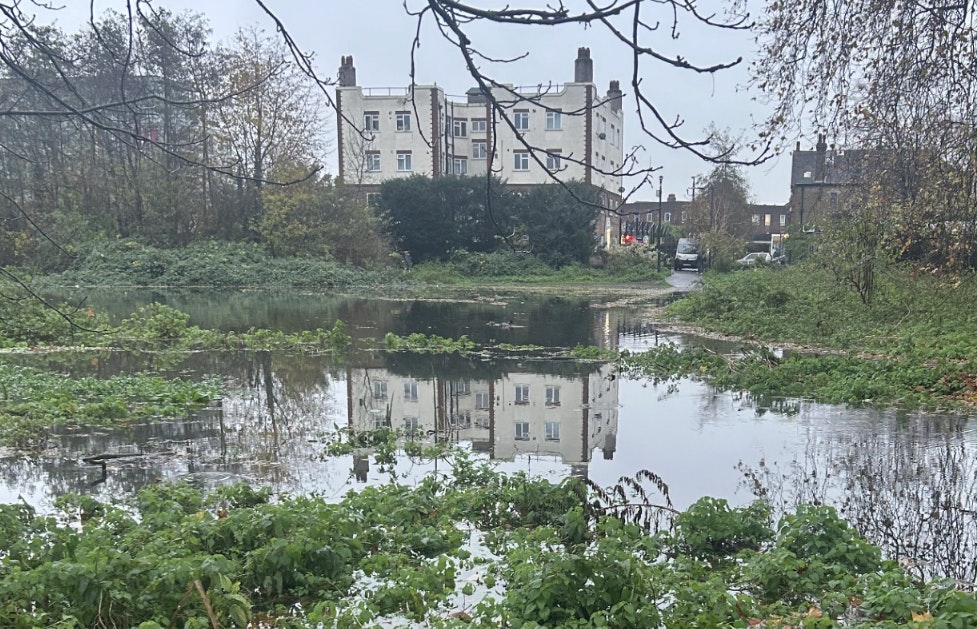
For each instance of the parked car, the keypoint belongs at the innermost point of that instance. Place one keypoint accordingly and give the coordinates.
(760, 257)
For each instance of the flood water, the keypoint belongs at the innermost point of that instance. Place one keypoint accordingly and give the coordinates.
(907, 480)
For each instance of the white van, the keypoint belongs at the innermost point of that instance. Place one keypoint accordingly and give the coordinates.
(687, 254)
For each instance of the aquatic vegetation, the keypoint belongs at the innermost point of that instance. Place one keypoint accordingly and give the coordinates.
(33, 402)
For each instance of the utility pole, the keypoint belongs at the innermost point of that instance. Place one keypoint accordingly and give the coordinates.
(658, 238)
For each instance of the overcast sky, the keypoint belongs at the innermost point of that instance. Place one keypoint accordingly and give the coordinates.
(378, 34)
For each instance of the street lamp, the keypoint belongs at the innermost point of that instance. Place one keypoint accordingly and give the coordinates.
(658, 236)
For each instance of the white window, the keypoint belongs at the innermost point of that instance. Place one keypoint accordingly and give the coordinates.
(554, 159)
(522, 431)
(371, 121)
(783, 220)
(479, 149)
(520, 160)
(410, 391)
(521, 119)
(460, 128)
(460, 166)
(479, 125)
(766, 220)
(404, 161)
(482, 401)
(403, 121)
(380, 421)
(379, 389)
(462, 419)
(522, 394)
(373, 161)
(552, 395)
(756, 219)
(463, 387)
(410, 425)
(684, 216)
(668, 217)
(552, 431)
(554, 120)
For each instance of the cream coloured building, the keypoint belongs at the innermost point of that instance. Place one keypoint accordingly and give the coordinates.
(528, 136)
(520, 413)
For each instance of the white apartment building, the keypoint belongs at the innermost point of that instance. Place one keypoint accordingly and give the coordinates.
(521, 413)
(525, 137)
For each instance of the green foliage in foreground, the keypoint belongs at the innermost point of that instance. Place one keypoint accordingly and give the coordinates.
(481, 549)
(32, 402)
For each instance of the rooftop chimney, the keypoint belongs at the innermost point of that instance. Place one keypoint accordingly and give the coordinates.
(583, 69)
(822, 148)
(614, 95)
(476, 95)
(671, 198)
(347, 73)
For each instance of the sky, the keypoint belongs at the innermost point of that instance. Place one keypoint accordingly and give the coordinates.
(378, 34)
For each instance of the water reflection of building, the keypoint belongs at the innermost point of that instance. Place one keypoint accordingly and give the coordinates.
(520, 412)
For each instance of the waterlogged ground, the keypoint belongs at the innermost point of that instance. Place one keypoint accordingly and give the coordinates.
(909, 478)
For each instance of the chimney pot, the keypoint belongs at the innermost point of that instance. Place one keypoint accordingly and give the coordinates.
(583, 67)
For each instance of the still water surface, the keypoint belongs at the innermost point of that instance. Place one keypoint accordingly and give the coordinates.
(908, 478)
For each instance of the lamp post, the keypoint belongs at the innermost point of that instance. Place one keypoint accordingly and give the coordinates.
(658, 236)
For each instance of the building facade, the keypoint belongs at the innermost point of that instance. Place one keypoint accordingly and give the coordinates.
(821, 180)
(525, 136)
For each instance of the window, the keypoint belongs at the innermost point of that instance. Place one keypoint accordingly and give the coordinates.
(683, 216)
(766, 220)
(554, 159)
(522, 394)
(403, 121)
(379, 389)
(554, 120)
(380, 421)
(410, 390)
(373, 199)
(479, 125)
(833, 200)
(404, 162)
(460, 166)
(482, 401)
(479, 149)
(463, 387)
(521, 120)
(410, 426)
(668, 217)
(462, 419)
(460, 128)
(373, 161)
(371, 121)
(552, 431)
(520, 160)
(552, 395)
(613, 135)
(783, 220)
(755, 219)
(601, 127)
(522, 431)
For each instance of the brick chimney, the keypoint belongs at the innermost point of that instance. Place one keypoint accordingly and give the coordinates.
(583, 68)
(347, 72)
(614, 95)
(821, 148)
